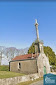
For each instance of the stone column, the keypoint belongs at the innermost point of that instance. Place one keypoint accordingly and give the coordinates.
(36, 25)
(38, 44)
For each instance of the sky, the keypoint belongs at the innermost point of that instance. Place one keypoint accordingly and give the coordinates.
(17, 23)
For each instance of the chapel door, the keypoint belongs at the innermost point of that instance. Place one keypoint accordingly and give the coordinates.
(44, 69)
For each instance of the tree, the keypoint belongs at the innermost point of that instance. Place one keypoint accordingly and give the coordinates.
(48, 51)
(31, 49)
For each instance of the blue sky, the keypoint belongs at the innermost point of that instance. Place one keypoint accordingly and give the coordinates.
(17, 21)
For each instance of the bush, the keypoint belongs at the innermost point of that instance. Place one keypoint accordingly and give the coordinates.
(53, 67)
(4, 68)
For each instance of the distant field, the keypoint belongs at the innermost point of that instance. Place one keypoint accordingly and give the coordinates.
(8, 74)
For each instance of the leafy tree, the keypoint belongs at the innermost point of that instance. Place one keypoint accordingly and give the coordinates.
(48, 51)
(31, 49)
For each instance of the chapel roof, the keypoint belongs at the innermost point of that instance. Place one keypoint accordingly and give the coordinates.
(24, 57)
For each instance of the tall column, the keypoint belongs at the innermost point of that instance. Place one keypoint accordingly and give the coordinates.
(36, 25)
(37, 33)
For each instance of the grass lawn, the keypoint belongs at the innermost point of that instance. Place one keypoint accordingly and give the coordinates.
(29, 82)
(8, 74)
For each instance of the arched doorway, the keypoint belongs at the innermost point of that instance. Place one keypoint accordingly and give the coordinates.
(44, 69)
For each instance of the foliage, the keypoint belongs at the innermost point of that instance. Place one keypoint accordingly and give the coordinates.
(8, 74)
(31, 49)
(53, 67)
(48, 51)
(4, 68)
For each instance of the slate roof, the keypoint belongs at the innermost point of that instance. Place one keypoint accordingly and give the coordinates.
(23, 57)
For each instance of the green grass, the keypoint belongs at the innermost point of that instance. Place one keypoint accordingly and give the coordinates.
(5, 73)
(8, 74)
(4, 68)
(29, 82)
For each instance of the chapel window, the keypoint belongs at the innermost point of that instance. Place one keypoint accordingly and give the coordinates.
(19, 65)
